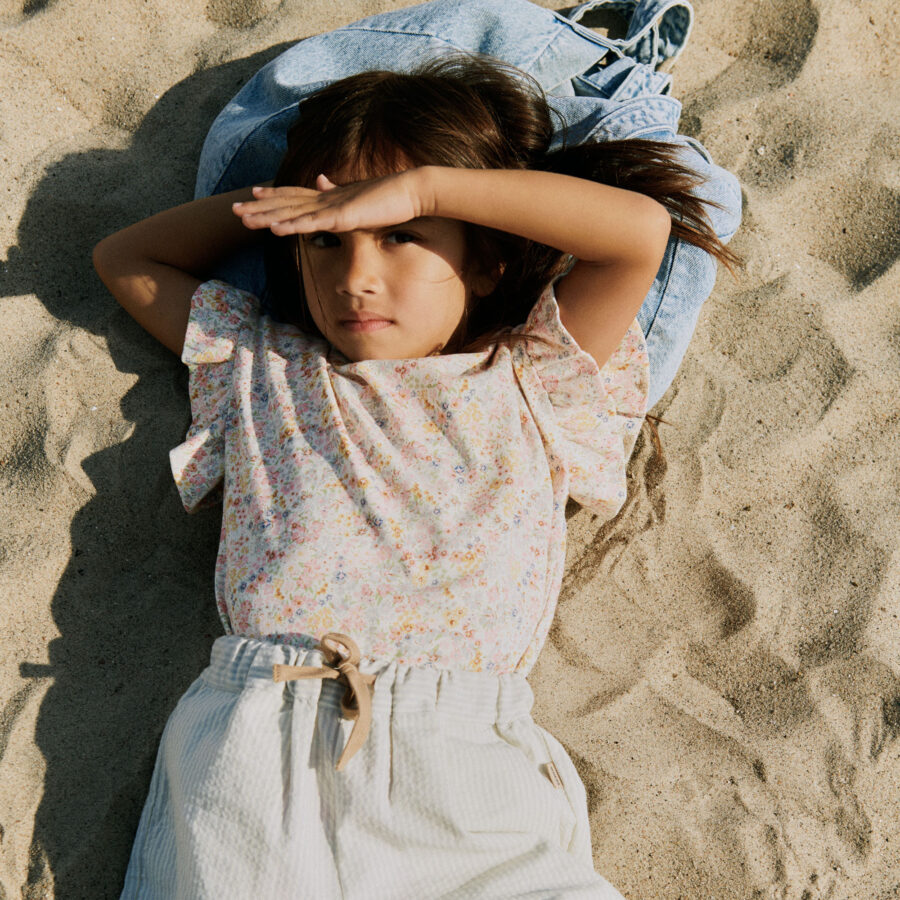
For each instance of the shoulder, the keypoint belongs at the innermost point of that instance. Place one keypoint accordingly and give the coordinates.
(224, 317)
(571, 375)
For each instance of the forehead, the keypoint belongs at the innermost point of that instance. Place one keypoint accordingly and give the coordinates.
(360, 162)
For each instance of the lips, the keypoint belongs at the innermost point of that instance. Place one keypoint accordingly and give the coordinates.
(364, 322)
(362, 316)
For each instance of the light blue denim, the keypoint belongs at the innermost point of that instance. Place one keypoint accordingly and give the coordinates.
(627, 98)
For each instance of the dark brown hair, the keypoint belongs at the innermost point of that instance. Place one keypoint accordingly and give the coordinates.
(469, 111)
(459, 111)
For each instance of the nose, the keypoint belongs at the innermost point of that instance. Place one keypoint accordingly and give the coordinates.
(360, 272)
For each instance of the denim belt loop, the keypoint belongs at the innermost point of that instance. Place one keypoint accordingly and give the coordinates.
(657, 29)
(357, 700)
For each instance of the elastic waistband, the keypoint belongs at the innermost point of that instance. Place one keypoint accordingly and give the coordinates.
(239, 663)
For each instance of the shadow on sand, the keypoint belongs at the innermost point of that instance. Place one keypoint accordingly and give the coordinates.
(135, 607)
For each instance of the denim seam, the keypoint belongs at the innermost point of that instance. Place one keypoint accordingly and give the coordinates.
(595, 134)
(625, 108)
(585, 32)
(662, 293)
(436, 37)
(427, 34)
(623, 43)
(647, 129)
(226, 168)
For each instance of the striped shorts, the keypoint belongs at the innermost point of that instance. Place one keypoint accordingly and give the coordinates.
(447, 789)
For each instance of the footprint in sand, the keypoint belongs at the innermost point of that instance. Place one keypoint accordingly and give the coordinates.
(773, 336)
(839, 570)
(735, 600)
(781, 36)
(860, 231)
(787, 142)
(239, 13)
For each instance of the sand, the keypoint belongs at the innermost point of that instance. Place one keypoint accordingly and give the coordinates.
(724, 664)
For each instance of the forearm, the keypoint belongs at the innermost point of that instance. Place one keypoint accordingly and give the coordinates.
(618, 237)
(594, 222)
(192, 237)
(153, 267)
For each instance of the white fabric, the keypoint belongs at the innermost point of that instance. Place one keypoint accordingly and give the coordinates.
(447, 798)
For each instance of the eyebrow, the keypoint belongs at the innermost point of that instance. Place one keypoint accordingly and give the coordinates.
(419, 220)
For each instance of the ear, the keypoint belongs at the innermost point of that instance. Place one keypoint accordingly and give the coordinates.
(324, 183)
(483, 283)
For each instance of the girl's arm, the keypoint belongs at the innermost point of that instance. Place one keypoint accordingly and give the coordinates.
(618, 237)
(153, 267)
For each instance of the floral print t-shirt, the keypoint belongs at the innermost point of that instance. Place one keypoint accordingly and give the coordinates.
(417, 505)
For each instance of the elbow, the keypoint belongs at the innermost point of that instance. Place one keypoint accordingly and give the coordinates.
(107, 261)
(659, 229)
(97, 258)
(101, 258)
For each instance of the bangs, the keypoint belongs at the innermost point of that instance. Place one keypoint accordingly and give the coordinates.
(379, 123)
(460, 111)
(371, 154)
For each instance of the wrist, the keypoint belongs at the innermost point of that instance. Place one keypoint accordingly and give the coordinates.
(425, 189)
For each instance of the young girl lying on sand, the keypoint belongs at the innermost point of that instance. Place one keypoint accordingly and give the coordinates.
(449, 352)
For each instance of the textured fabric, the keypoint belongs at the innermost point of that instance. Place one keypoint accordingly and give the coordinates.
(417, 505)
(657, 29)
(447, 798)
(599, 89)
(356, 703)
(248, 138)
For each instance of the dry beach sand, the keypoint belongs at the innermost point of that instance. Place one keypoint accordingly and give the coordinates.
(725, 664)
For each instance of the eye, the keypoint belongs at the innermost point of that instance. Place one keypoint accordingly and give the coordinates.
(402, 237)
(322, 239)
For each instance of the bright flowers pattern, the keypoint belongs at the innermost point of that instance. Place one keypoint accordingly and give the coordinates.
(416, 505)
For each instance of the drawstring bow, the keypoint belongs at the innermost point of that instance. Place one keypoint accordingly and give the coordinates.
(356, 703)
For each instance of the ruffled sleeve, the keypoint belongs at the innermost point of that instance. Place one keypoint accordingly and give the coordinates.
(219, 312)
(589, 416)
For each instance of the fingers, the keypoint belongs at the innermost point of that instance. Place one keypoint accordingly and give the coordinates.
(265, 193)
(277, 219)
(265, 213)
(266, 198)
(291, 210)
(298, 225)
(292, 219)
(328, 207)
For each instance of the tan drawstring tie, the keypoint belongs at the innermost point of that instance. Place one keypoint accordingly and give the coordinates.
(358, 690)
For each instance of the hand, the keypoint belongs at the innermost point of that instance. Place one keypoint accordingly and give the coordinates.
(374, 203)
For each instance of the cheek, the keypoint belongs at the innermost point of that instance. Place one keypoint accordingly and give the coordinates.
(311, 278)
(307, 279)
(454, 311)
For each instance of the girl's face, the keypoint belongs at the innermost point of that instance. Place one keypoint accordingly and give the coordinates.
(390, 293)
